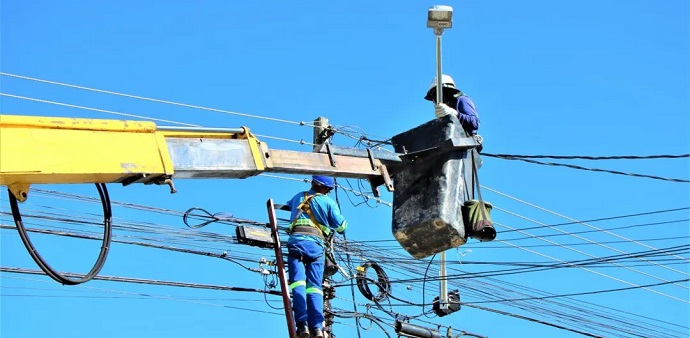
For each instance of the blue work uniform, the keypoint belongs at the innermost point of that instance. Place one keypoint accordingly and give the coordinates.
(306, 255)
(467, 114)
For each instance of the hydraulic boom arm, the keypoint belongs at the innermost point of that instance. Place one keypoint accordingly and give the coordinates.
(42, 150)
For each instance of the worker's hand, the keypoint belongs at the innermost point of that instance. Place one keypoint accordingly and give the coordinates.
(442, 110)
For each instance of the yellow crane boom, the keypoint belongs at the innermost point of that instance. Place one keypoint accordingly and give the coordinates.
(53, 150)
(433, 168)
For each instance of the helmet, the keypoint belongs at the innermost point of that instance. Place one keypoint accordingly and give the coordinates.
(325, 181)
(446, 82)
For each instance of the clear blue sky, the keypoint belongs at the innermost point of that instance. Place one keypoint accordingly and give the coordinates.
(548, 77)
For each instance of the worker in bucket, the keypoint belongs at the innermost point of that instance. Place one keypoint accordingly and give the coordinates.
(454, 102)
(314, 216)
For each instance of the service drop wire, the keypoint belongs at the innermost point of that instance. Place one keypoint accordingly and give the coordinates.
(349, 264)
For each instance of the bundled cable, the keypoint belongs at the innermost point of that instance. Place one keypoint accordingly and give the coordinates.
(382, 282)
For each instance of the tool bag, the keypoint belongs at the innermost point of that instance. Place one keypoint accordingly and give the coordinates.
(477, 214)
(330, 266)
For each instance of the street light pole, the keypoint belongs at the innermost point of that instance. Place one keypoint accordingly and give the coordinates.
(439, 18)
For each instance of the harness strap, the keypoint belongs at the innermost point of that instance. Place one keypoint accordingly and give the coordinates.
(308, 226)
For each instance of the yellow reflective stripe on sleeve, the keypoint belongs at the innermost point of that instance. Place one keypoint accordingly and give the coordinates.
(342, 227)
(298, 283)
(326, 230)
(314, 290)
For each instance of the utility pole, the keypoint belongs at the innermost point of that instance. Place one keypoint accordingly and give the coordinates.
(329, 318)
(284, 288)
(440, 18)
(320, 134)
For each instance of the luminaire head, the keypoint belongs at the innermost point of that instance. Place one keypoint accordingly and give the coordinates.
(440, 17)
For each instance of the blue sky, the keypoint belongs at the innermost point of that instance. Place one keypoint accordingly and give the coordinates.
(549, 77)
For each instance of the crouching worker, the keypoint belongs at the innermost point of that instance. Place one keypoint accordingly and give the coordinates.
(313, 217)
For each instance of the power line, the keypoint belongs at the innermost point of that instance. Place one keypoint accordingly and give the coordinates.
(600, 230)
(604, 219)
(539, 307)
(150, 245)
(577, 244)
(147, 281)
(582, 293)
(582, 157)
(357, 193)
(138, 116)
(596, 169)
(590, 241)
(593, 271)
(301, 123)
(151, 296)
(532, 320)
(569, 218)
(95, 109)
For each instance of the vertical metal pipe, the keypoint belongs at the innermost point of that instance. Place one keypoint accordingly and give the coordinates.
(439, 82)
(284, 288)
(443, 298)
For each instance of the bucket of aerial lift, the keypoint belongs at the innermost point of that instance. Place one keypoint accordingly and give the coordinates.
(430, 187)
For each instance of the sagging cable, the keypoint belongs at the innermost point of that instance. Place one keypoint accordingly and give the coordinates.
(100, 261)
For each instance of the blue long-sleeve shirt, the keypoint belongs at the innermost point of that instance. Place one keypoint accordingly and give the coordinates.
(325, 211)
(467, 114)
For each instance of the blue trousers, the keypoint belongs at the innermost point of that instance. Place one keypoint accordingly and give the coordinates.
(305, 270)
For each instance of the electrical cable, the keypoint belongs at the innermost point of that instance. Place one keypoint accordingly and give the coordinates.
(581, 293)
(301, 123)
(370, 252)
(565, 313)
(590, 241)
(495, 287)
(302, 142)
(581, 157)
(601, 230)
(358, 315)
(596, 272)
(602, 219)
(223, 256)
(95, 109)
(566, 217)
(426, 271)
(103, 254)
(149, 281)
(596, 169)
(349, 264)
(212, 218)
(382, 282)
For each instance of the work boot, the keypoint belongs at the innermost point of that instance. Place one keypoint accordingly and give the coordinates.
(316, 333)
(302, 330)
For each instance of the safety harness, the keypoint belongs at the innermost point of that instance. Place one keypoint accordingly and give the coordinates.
(308, 226)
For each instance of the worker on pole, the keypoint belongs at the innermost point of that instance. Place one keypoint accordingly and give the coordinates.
(314, 216)
(454, 102)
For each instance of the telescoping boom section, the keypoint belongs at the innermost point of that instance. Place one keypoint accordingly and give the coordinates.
(430, 165)
(51, 150)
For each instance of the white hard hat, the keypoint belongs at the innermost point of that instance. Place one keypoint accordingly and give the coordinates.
(446, 82)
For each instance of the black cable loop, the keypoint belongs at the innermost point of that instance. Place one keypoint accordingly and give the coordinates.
(100, 261)
(188, 213)
(382, 282)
